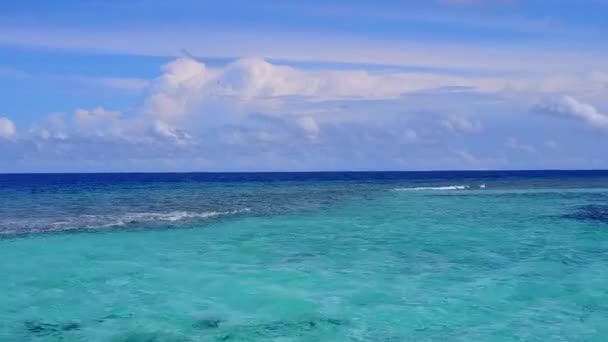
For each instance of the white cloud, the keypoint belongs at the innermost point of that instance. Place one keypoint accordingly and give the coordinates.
(254, 84)
(250, 84)
(462, 124)
(180, 88)
(8, 130)
(177, 136)
(95, 116)
(107, 124)
(53, 127)
(189, 90)
(309, 125)
(99, 126)
(189, 101)
(568, 107)
(253, 108)
(515, 144)
(183, 72)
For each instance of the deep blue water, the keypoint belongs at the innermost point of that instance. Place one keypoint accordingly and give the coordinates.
(10, 180)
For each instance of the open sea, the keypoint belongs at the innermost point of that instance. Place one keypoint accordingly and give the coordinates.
(362, 256)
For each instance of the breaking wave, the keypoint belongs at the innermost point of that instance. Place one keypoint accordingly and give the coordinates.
(26, 226)
(448, 187)
(173, 216)
(445, 187)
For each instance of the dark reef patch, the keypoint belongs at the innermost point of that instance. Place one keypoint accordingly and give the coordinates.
(275, 329)
(70, 326)
(151, 337)
(42, 328)
(113, 317)
(591, 212)
(209, 323)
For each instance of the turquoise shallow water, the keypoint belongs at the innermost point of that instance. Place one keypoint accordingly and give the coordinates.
(358, 260)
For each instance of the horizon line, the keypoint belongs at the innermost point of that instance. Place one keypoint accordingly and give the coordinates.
(317, 171)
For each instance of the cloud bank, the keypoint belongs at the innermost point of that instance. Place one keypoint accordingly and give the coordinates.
(252, 114)
(569, 107)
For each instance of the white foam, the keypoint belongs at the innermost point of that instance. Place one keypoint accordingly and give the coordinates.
(108, 221)
(172, 216)
(448, 187)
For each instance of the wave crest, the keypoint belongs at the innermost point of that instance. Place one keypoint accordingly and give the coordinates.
(172, 216)
(27, 226)
(447, 187)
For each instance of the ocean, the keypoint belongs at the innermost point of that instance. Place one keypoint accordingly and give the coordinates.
(335, 256)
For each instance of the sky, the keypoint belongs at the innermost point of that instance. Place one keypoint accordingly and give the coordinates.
(269, 85)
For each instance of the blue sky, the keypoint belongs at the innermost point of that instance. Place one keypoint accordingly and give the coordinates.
(236, 85)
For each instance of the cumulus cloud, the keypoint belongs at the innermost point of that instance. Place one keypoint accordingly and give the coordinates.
(189, 88)
(249, 107)
(252, 111)
(180, 88)
(569, 107)
(99, 122)
(105, 130)
(253, 84)
(52, 127)
(191, 96)
(8, 130)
